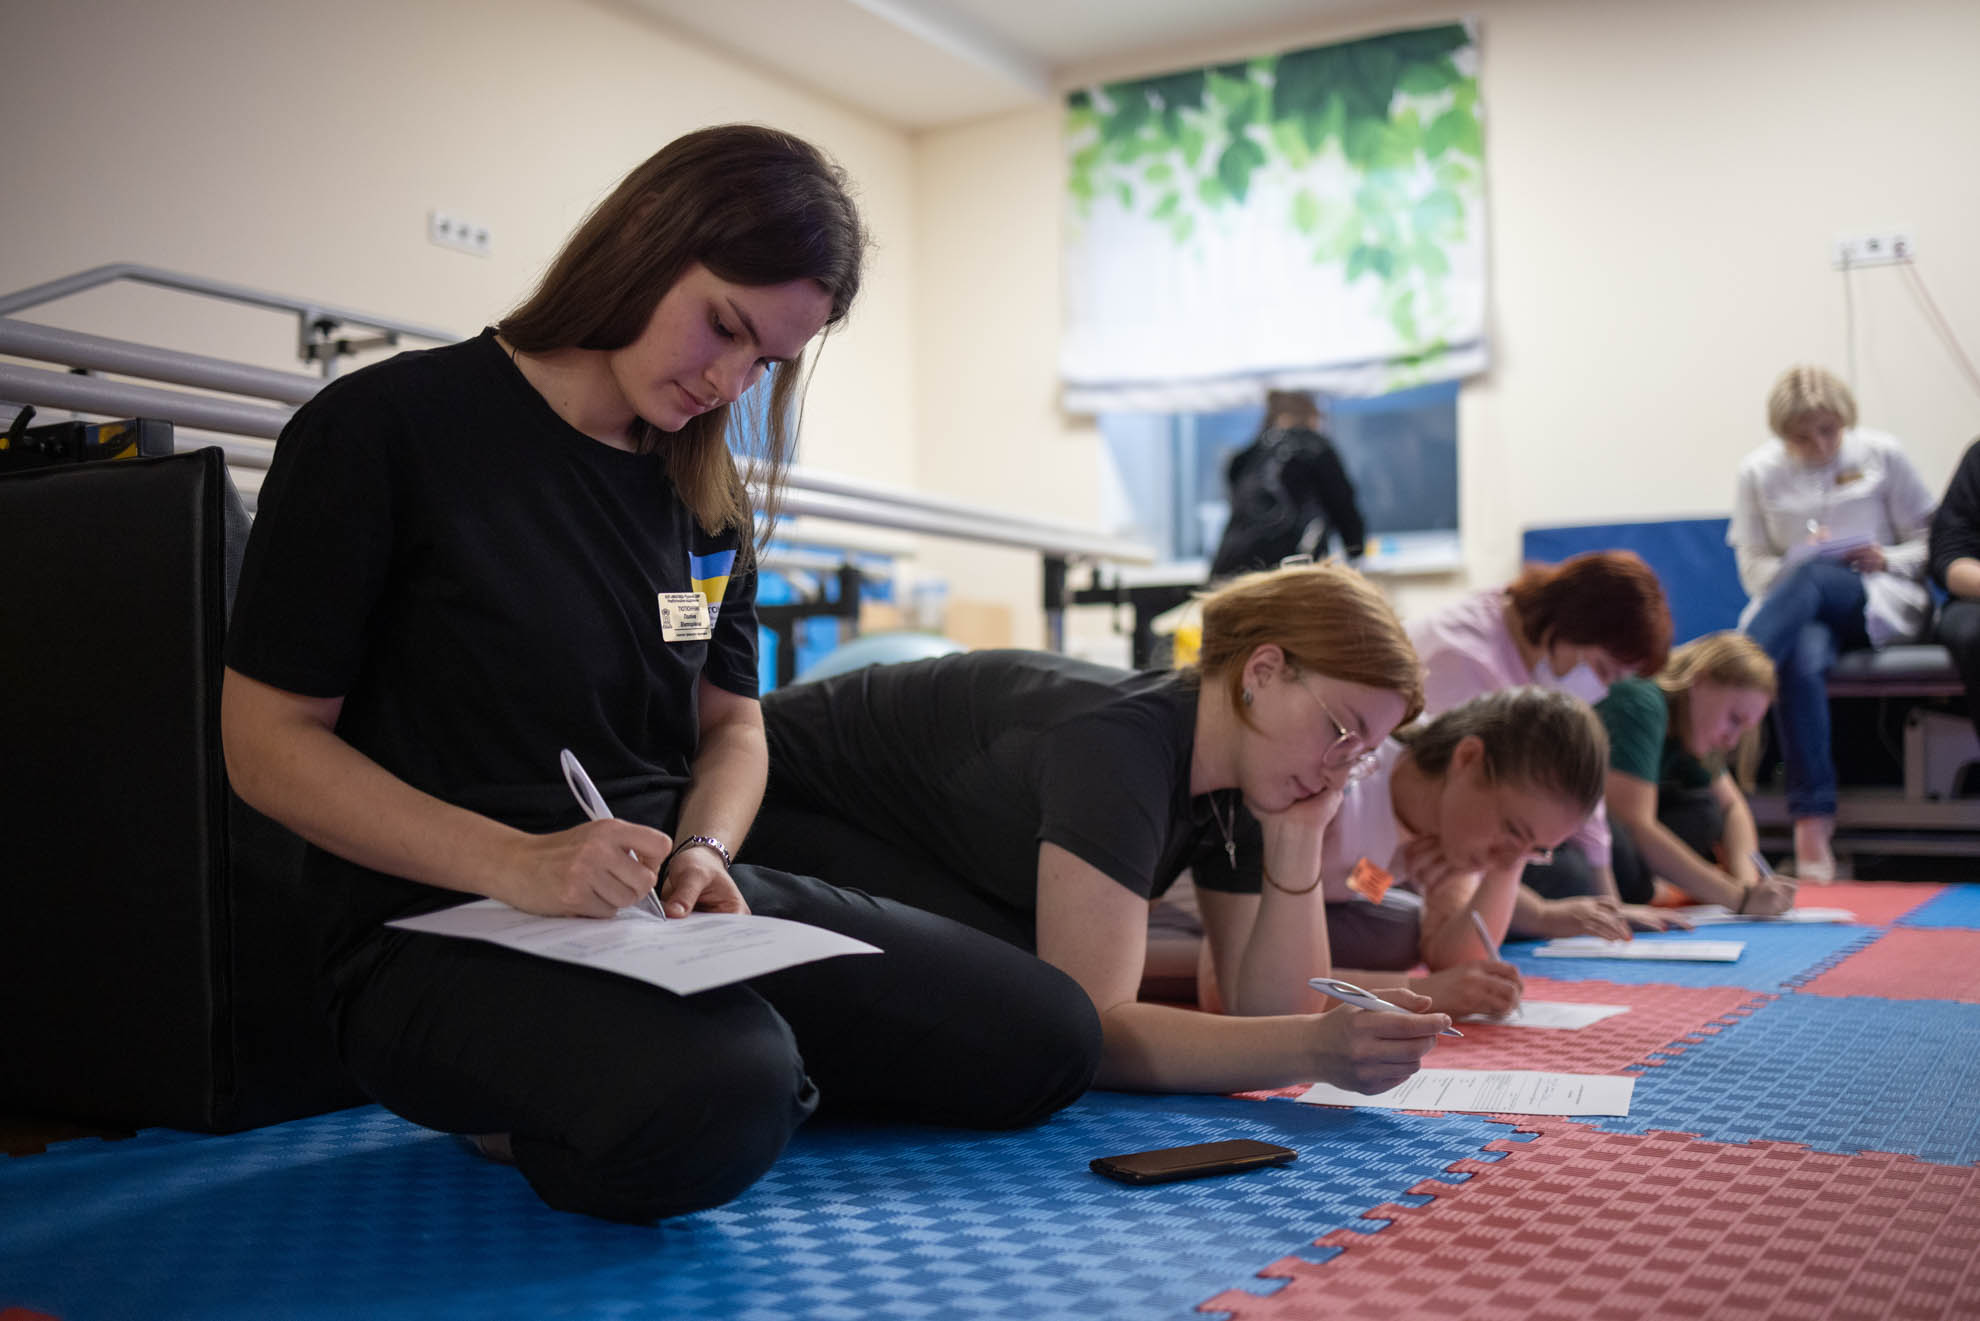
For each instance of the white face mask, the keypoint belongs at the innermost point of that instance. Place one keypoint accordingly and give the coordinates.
(1581, 681)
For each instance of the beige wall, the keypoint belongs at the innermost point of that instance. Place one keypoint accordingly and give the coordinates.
(1665, 181)
(298, 147)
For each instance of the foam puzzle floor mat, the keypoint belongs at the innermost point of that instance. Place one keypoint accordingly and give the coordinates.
(1776, 957)
(1959, 906)
(1841, 1075)
(359, 1214)
(1909, 963)
(1580, 1225)
(1802, 1143)
(1875, 903)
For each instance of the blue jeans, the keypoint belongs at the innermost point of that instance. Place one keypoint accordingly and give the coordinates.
(1814, 614)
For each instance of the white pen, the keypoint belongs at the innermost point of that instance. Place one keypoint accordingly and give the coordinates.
(594, 807)
(1360, 999)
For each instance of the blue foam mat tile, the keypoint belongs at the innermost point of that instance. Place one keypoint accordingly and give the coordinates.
(1843, 1075)
(1959, 906)
(1776, 958)
(359, 1214)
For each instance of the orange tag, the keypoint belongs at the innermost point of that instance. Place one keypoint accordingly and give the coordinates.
(1369, 881)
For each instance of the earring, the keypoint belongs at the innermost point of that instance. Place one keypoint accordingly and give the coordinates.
(1247, 697)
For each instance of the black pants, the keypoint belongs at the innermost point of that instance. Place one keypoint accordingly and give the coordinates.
(793, 837)
(1958, 631)
(1694, 816)
(632, 1103)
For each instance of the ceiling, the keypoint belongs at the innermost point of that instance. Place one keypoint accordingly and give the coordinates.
(926, 63)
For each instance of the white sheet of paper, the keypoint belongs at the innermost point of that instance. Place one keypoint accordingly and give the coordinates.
(1671, 951)
(682, 955)
(1492, 1091)
(1711, 915)
(1833, 547)
(1551, 1013)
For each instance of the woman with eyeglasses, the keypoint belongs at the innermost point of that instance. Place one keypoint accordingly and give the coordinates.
(1578, 627)
(1046, 800)
(1430, 844)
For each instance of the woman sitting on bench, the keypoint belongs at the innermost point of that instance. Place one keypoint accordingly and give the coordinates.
(1830, 526)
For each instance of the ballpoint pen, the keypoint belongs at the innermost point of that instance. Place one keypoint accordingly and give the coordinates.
(594, 807)
(1360, 999)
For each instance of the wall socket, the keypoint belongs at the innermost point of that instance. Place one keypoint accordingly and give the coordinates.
(1880, 249)
(451, 231)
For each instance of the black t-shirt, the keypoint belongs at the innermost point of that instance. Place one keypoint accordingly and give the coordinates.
(480, 581)
(975, 759)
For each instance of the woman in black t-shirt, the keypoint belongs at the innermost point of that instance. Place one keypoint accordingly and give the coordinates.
(469, 558)
(1047, 800)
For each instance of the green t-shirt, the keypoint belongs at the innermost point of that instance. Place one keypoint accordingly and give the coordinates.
(1641, 741)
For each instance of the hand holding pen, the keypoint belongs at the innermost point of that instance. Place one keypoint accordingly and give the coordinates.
(636, 876)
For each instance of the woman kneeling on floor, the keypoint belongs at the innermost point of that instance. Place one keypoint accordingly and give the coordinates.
(1674, 809)
(1045, 799)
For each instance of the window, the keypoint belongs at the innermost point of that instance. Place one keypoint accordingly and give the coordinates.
(1165, 475)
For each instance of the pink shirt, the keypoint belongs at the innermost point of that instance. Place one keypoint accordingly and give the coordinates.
(1467, 651)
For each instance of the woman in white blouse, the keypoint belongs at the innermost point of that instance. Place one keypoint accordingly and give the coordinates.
(1829, 526)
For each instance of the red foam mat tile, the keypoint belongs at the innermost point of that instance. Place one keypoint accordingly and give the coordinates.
(1659, 1020)
(1584, 1225)
(1875, 903)
(1909, 963)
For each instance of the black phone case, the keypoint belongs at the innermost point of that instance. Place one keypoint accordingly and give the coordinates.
(1197, 1161)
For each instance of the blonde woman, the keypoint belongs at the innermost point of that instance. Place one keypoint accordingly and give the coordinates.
(1830, 525)
(1046, 800)
(1675, 808)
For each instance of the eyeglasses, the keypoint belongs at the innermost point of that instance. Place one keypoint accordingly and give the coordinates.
(1346, 750)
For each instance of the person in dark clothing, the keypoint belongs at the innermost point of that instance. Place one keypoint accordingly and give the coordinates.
(470, 557)
(1289, 493)
(1046, 800)
(1955, 566)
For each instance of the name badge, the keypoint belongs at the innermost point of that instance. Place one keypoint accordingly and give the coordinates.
(684, 617)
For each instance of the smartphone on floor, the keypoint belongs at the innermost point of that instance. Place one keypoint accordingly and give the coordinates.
(1192, 1162)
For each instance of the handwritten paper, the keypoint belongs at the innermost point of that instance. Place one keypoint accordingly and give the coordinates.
(1550, 1014)
(1491, 1092)
(682, 955)
(1709, 915)
(1672, 951)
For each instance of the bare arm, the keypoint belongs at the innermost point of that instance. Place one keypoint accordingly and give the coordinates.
(1096, 930)
(286, 761)
(1963, 577)
(1633, 802)
(1740, 839)
(730, 769)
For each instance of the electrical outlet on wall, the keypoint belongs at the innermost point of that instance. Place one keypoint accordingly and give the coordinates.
(458, 232)
(1879, 249)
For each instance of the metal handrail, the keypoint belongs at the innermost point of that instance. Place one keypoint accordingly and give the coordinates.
(809, 493)
(317, 322)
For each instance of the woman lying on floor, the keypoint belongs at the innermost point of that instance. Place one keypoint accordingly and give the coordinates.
(1577, 626)
(1044, 800)
(1440, 830)
(1673, 806)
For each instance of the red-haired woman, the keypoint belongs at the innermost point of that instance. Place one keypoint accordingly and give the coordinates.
(1577, 626)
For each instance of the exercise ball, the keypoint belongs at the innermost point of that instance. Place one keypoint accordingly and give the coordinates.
(881, 649)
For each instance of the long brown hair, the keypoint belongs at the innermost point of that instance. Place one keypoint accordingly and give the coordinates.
(756, 207)
(1324, 617)
(1731, 660)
